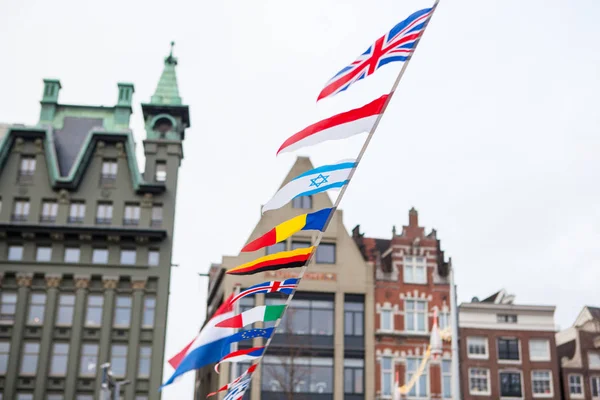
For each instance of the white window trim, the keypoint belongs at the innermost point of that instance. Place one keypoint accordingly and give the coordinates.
(414, 267)
(428, 381)
(385, 396)
(417, 332)
(591, 392)
(576, 396)
(588, 358)
(489, 381)
(442, 377)
(551, 384)
(511, 371)
(391, 311)
(531, 358)
(485, 356)
(500, 361)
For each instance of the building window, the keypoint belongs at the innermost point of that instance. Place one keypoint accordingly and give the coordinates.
(43, 254)
(93, 312)
(479, 381)
(29, 362)
(510, 384)
(387, 319)
(415, 270)
(153, 257)
(276, 248)
(148, 314)
(4, 353)
(37, 305)
(161, 171)
(477, 347)
(122, 312)
(576, 386)
(539, 350)
(89, 359)
(354, 376)
(300, 245)
(593, 360)
(24, 396)
(55, 396)
(507, 318)
(27, 168)
(157, 215)
(72, 254)
(15, 252)
(109, 171)
(444, 319)
(104, 213)
(128, 256)
(415, 315)
(144, 397)
(297, 375)
(99, 256)
(49, 211)
(132, 214)
(66, 305)
(76, 211)
(542, 383)
(595, 386)
(304, 202)
(326, 253)
(306, 317)
(446, 379)
(508, 349)
(84, 397)
(60, 356)
(118, 360)
(21, 210)
(8, 307)
(420, 388)
(354, 318)
(144, 362)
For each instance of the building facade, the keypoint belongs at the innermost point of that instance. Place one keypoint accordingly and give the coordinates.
(507, 350)
(578, 350)
(85, 245)
(411, 284)
(323, 347)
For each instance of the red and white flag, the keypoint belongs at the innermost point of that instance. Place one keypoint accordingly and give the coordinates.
(340, 126)
(240, 378)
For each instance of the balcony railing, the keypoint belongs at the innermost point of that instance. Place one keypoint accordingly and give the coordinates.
(19, 217)
(48, 218)
(103, 221)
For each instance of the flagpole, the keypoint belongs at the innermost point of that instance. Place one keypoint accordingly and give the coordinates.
(454, 318)
(236, 311)
(350, 176)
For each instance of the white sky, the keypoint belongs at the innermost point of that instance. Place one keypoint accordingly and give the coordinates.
(493, 135)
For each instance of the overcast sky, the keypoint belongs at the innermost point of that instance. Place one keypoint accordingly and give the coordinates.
(493, 134)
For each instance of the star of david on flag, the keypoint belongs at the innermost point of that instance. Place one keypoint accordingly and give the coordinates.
(317, 180)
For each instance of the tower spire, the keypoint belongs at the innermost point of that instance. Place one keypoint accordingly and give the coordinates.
(167, 91)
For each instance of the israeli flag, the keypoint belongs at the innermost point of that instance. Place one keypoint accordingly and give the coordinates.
(311, 182)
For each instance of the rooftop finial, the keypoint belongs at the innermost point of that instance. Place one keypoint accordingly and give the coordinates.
(171, 60)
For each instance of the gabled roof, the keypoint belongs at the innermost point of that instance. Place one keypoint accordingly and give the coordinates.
(74, 164)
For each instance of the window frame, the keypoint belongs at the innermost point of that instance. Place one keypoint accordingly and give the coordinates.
(84, 356)
(104, 212)
(548, 356)
(595, 378)
(27, 167)
(109, 170)
(145, 309)
(416, 387)
(580, 384)
(43, 247)
(88, 307)
(446, 375)
(512, 372)
(4, 356)
(105, 250)
(325, 245)
(142, 357)
(40, 305)
(414, 266)
(273, 249)
(550, 379)
(352, 365)
(25, 353)
(160, 174)
(65, 306)
(382, 326)
(131, 214)
(387, 391)
(485, 356)
(156, 220)
(488, 382)
(21, 209)
(351, 314)
(50, 205)
(54, 355)
(118, 307)
(67, 250)
(509, 360)
(4, 304)
(127, 251)
(151, 252)
(416, 315)
(76, 211)
(595, 354)
(301, 202)
(15, 246)
(124, 357)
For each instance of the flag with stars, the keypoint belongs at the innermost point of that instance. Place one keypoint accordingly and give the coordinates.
(317, 180)
(248, 334)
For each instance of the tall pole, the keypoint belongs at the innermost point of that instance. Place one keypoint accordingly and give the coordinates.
(454, 319)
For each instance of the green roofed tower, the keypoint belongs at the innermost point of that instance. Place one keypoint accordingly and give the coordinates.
(86, 242)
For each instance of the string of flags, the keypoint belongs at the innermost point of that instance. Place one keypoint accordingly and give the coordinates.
(213, 343)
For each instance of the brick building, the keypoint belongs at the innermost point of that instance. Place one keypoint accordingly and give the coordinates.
(578, 349)
(411, 282)
(507, 350)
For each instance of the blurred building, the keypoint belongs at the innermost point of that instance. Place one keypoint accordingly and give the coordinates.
(507, 350)
(324, 346)
(579, 356)
(85, 249)
(411, 284)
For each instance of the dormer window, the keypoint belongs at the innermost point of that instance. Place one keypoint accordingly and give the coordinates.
(109, 171)
(27, 168)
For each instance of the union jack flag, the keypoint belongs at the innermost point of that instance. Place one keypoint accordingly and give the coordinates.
(396, 45)
(237, 392)
(285, 287)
